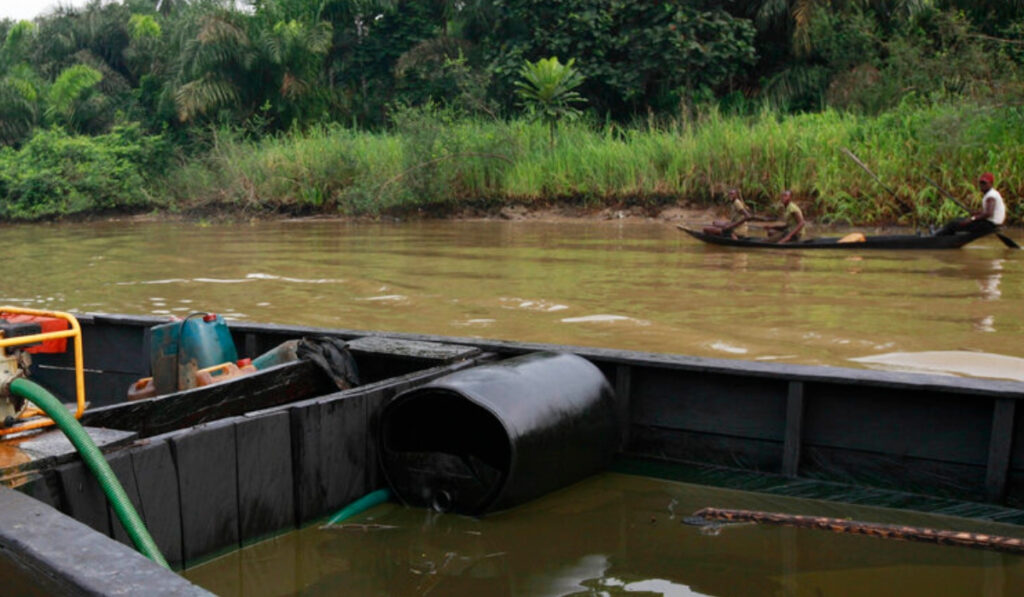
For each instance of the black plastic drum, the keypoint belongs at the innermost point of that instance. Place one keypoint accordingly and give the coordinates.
(495, 436)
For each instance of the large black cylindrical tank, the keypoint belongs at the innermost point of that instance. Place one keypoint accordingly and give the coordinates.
(497, 435)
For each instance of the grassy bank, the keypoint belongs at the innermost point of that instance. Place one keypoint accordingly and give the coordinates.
(435, 164)
(431, 162)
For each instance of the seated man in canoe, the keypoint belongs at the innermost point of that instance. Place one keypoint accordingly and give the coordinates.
(986, 220)
(794, 222)
(739, 215)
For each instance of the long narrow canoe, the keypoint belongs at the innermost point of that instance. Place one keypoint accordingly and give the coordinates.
(892, 241)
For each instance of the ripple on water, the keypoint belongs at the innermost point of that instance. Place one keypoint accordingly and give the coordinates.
(604, 318)
(729, 348)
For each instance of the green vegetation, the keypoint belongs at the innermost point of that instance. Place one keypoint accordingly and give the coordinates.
(548, 89)
(442, 165)
(406, 106)
(57, 174)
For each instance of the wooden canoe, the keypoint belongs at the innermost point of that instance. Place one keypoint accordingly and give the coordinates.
(891, 241)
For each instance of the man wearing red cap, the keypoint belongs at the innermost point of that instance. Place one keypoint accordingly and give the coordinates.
(991, 215)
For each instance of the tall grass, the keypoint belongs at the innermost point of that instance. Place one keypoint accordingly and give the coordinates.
(433, 161)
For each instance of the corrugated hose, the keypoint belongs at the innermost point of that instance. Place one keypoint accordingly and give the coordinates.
(94, 459)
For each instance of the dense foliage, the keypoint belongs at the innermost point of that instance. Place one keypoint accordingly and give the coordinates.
(439, 163)
(57, 174)
(184, 75)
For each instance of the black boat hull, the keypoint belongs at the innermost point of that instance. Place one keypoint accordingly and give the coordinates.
(893, 242)
(212, 470)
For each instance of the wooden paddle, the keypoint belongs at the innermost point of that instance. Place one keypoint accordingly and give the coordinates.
(1009, 242)
(875, 176)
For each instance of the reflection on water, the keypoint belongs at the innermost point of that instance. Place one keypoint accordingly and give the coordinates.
(614, 535)
(989, 285)
(634, 285)
(950, 362)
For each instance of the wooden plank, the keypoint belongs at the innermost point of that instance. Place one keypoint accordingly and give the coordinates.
(910, 423)
(999, 450)
(794, 429)
(344, 452)
(330, 456)
(266, 500)
(274, 386)
(157, 479)
(709, 403)
(623, 387)
(331, 444)
(84, 499)
(382, 358)
(306, 423)
(702, 448)
(425, 352)
(121, 464)
(208, 488)
(49, 448)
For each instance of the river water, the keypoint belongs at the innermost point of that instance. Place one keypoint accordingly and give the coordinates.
(638, 285)
(618, 284)
(611, 535)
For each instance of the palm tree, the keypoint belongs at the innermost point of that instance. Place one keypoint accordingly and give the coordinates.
(69, 100)
(795, 19)
(20, 85)
(547, 89)
(238, 63)
(215, 69)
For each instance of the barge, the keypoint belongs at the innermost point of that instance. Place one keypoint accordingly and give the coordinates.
(214, 468)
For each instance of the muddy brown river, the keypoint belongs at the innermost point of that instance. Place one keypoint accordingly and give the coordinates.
(619, 284)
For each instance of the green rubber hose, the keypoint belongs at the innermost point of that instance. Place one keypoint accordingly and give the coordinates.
(94, 459)
(362, 504)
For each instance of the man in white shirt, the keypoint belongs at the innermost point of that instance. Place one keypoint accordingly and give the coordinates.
(991, 215)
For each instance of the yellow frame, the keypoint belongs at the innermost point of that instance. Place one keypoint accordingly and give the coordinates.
(76, 333)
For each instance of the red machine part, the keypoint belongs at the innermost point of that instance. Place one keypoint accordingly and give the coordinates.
(49, 324)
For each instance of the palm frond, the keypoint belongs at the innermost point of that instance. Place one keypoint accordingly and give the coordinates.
(202, 96)
(71, 84)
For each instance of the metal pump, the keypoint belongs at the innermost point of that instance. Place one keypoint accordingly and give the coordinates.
(14, 363)
(25, 331)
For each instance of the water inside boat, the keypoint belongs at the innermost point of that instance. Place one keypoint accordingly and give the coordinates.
(613, 534)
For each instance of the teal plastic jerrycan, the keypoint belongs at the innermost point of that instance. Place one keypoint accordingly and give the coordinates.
(178, 349)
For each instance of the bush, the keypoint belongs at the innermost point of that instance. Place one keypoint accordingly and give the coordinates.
(56, 174)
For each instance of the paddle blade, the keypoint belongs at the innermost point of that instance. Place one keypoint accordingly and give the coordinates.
(1009, 242)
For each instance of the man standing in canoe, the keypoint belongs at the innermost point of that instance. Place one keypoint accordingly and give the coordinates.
(984, 221)
(794, 221)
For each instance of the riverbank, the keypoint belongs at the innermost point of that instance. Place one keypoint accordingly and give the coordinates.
(435, 165)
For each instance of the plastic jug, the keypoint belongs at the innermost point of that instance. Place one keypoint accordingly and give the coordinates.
(142, 389)
(179, 349)
(285, 352)
(224, 372)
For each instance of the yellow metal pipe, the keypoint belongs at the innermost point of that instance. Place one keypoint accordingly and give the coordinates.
(17, 340)
(75, 333)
